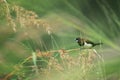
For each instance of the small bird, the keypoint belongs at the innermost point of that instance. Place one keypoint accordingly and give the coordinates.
(86, 43)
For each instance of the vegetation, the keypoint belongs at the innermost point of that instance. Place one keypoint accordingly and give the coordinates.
(37, 40)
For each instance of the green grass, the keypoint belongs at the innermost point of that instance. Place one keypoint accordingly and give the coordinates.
(61, 21)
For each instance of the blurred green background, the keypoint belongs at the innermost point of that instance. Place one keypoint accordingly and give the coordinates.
(97, 20)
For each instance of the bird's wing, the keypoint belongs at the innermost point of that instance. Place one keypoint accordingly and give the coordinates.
(88, 41)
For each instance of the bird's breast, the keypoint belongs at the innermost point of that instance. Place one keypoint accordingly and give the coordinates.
(87, 45)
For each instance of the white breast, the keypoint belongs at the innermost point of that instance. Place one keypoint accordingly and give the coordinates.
(86, 45)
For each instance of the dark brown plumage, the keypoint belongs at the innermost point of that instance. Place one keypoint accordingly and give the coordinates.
(86, 43)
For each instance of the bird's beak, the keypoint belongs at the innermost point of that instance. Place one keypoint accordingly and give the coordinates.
(76, 40)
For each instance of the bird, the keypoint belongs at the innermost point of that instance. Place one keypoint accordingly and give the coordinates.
(85, 43)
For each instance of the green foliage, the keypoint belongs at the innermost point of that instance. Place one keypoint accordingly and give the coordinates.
(29, 35)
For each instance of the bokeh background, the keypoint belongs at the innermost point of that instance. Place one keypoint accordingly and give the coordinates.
(46, 25)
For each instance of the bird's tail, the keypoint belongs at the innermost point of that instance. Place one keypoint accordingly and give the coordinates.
(98, 44)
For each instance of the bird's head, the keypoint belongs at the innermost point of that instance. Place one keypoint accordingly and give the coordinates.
(78, 39)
